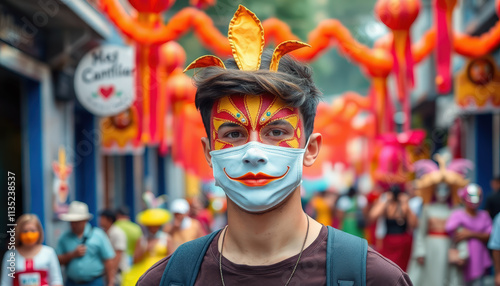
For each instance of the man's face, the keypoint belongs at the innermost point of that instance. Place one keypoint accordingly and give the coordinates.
(77, 227)
(237, 120)
(105, 222)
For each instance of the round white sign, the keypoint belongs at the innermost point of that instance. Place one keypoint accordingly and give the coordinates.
(105, 80)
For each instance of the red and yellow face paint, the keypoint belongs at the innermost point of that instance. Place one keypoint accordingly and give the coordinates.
(236, 120)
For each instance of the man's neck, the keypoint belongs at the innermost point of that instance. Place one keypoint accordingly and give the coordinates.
(264, 239)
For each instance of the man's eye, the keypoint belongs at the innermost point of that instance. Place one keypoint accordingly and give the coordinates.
(234, 134)
(276, 132)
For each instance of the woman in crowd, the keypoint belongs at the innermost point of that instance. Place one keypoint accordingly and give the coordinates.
(152, 246)
(474, 226)
(438, 185)
(399, 221)
(32, 263)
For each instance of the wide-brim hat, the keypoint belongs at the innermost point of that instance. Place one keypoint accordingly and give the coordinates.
(77, 211)
(153, 217)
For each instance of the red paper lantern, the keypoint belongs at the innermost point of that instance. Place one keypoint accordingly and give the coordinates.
(180, 88)
(497, 4)
(151, 6)
(172, 56)
(397, 14)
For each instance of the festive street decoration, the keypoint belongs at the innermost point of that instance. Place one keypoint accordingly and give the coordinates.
(394, 54)
(104, 80)
(477, 85)
(452, 173)
(61, 188)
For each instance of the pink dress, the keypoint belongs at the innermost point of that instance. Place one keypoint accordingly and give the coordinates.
(479, 257)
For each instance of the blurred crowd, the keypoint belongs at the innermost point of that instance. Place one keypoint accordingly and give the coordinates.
(117, 252)
(434, 239)
(441, 239)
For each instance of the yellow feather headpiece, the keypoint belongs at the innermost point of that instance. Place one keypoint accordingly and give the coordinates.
(246, 37)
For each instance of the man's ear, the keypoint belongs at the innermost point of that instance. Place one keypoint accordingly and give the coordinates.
(312, 150)
(205, 142)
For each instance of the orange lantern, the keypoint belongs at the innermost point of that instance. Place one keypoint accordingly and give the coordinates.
(399, 15)
(151, 6)
(172, 56)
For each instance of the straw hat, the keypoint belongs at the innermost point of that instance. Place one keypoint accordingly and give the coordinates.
(77, 211)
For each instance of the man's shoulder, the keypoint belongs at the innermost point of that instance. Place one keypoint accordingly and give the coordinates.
(382, 271)
(153, 275)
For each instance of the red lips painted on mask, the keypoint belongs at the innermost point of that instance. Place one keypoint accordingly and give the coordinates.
(256, 180)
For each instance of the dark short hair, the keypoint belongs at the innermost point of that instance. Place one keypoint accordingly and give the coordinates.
(107, 213)
(123, 210)
(292, 83)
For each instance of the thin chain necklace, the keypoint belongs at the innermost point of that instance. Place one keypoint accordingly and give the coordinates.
(294, 268)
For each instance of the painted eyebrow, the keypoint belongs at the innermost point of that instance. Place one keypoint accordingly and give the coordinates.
(229, 124)
(278, 122)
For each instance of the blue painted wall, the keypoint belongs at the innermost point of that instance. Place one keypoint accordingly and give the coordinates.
(484, 151)
(33, 94)
(85, 161)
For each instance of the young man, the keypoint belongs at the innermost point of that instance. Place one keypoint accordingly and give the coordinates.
(258, 110)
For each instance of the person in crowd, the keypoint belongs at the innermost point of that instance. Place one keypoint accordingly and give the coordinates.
(84, 250)
(199, 211)
(118, 240)
(258, 110)
(474, 226)
(183, 228)
(352, 211)
(321, 206)
(30, 263)
(399, 221)
(494, 246)
(152, 246)
(132, 231)
(437, 188)
(493, 200)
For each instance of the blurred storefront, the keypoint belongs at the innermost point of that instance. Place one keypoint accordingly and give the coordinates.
(466, 122)
(477, 97)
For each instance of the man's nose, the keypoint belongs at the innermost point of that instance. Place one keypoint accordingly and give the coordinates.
(254, 157)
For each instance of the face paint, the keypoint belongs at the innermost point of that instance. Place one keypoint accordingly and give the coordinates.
(442, 192)
(472, 196)
(235, 118)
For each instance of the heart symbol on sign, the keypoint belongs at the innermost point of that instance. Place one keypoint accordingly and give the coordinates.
(106, 91)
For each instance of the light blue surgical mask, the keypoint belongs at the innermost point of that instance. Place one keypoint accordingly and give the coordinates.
(256, 176)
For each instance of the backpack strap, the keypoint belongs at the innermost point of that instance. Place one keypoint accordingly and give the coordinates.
(184, 264)
(345, 259)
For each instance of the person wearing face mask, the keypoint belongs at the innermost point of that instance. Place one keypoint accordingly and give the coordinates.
(473, 226)
(258, 110)
(152, 246)
(30, 262)
(436, 259)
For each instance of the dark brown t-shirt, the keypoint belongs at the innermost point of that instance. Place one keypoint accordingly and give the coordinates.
(310, 271)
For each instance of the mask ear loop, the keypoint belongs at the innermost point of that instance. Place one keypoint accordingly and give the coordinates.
(307, 142)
